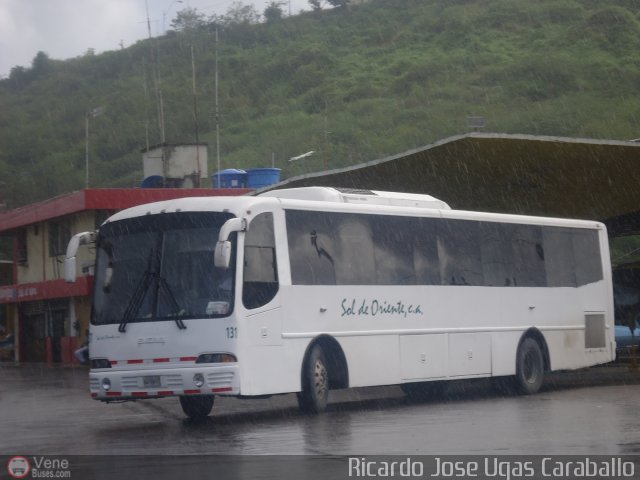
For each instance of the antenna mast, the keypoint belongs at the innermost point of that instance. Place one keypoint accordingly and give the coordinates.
(217, 113)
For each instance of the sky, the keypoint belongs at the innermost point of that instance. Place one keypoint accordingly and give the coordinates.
(68, 28)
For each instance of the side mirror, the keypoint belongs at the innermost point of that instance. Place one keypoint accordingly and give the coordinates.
(70, 269)
(222, 254)
(72, 249)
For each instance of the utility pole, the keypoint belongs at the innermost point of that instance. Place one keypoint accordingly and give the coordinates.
(93, 113)
(156, 78)
(196, 181)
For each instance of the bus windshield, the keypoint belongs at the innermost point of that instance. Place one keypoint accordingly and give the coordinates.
(161, 268)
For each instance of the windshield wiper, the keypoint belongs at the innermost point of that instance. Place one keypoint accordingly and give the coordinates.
(148, 279)
(163, 287)
(138, 296)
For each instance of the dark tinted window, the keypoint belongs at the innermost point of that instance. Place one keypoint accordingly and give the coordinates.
(459, 253)
(354, 249)
(586, 248)
(260, 267)
(312, 248)
(560, 262)
(497, 261)
(525, 241)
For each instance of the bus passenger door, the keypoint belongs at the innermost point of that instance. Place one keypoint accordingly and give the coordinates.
(263, 359)
(260, 282)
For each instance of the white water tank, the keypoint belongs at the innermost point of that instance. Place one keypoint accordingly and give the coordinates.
(181, 165)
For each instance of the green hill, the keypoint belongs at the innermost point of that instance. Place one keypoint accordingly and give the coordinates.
(354, 84)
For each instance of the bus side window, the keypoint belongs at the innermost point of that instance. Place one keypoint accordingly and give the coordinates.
(497, 254)
(312, 247)
(528, 256)
(459, 252)
(260, 280)
(586, 247)
(355, 251)
(559, 260)
(425, 252)
(393, 249)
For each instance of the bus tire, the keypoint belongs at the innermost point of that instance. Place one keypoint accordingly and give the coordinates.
(315, 383)
(196, 407)
(529, 367)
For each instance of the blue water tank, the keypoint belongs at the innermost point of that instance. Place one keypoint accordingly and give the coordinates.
(262, 177)
(153, 181)
(230, 178)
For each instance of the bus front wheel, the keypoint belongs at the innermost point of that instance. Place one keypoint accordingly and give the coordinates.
(315, 383)
(196, 407)
(529, 367)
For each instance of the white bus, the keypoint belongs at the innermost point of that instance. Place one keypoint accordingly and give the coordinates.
(311, 289)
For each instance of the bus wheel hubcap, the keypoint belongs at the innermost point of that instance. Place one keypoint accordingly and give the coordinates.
(320, 375)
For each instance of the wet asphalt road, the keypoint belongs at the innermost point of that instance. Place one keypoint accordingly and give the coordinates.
(47, 410)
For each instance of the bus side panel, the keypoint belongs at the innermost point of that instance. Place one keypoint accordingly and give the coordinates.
(469, 354)
(272, 369)
(504, 346)
(372, 360)
(572, 348)
(424, 356)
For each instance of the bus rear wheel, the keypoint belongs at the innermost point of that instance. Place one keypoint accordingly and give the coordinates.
(529, 367)
(196, 407)
(315, 383)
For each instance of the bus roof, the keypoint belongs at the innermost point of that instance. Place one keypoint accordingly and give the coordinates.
(234, 205)
(345, 200)
(360, 196)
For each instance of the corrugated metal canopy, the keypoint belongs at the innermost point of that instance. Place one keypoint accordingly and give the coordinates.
(525, 174)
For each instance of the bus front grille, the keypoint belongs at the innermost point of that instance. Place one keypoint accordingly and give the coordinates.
(220, 379)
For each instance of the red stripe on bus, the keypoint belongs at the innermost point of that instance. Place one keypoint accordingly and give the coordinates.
(134, 361)
(139, 394)
(220, 390)
(114, 394)
(161, 360)
(192, 392)
(188, 359)
(165, 392)
(114, 362)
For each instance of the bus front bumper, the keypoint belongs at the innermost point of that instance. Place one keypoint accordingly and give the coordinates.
(110, 385)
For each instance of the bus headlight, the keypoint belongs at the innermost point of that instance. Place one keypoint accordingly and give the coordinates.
(198, 379)
(217, 358)
(100, 363)
(106, 384)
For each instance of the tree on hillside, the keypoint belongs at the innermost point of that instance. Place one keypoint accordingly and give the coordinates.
(274, 11)
(18, 76)
(238, 14)
(41, 64)
(188, 19)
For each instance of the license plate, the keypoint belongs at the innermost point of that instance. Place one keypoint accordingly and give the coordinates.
(152, 381)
